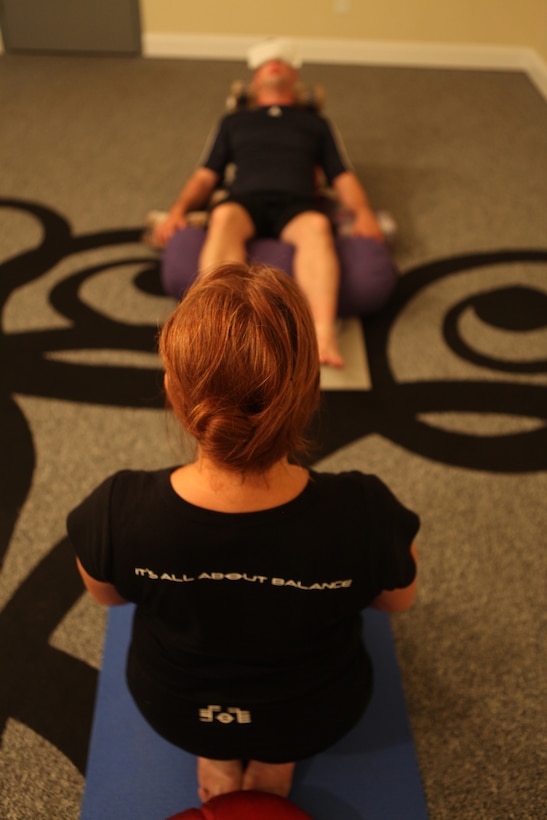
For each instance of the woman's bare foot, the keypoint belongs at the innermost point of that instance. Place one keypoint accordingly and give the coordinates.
(275, 778)
(218, 777)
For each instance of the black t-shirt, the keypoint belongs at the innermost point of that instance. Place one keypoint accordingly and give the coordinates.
(263, 603)
(276, 148)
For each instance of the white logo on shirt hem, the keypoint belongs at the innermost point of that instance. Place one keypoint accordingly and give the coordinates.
(225, 716)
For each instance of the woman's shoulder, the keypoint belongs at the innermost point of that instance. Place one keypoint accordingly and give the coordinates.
(126, 485)
(366, 493)
(354, 486)
(344, 479)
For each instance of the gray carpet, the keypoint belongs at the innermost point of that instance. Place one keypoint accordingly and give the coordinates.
(459, 159)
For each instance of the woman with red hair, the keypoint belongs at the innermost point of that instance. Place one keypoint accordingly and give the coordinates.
(249, 571)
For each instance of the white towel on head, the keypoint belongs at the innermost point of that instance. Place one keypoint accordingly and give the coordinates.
(279, 48)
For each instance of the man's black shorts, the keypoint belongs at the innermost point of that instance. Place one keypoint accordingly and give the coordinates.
(271, 211)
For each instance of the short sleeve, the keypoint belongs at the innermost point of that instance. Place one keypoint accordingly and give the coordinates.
(334, 159)
(395, 528)
(88, 527)
(217, 153)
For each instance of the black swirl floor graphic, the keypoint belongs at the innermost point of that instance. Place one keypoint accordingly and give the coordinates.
(403, 410)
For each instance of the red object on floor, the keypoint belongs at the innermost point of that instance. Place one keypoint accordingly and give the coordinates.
(245, 805)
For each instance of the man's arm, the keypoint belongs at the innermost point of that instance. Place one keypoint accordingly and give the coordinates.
(353, 197)
(195, 194)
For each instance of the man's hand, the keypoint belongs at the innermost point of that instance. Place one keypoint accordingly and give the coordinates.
(165, 229)
(366, 224)
(353, 197)
(195, 194)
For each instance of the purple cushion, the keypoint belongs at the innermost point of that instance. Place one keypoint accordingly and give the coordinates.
(367, 271)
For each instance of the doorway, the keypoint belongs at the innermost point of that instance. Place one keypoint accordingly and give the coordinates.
(76, 26)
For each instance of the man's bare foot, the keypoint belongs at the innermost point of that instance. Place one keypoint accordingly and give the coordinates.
(329, 353)
(218, 777)
(331, 360)
(275, 778)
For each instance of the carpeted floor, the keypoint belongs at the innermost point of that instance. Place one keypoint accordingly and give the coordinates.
(454, 419)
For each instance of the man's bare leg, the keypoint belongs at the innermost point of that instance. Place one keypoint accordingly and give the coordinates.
(218, 777)
(317, 271)
(230, 227)
(275, 778)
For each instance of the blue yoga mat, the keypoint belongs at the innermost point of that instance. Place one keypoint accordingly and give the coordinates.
(371, 774)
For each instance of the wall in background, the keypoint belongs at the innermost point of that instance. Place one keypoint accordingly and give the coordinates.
(492, 34)
(500, 23)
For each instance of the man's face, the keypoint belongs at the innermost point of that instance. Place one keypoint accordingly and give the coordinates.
(275, 73)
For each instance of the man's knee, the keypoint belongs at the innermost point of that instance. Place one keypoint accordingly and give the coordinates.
(230, 216)
(306, 226)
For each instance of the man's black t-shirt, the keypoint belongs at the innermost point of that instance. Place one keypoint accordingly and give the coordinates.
(276, 149)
